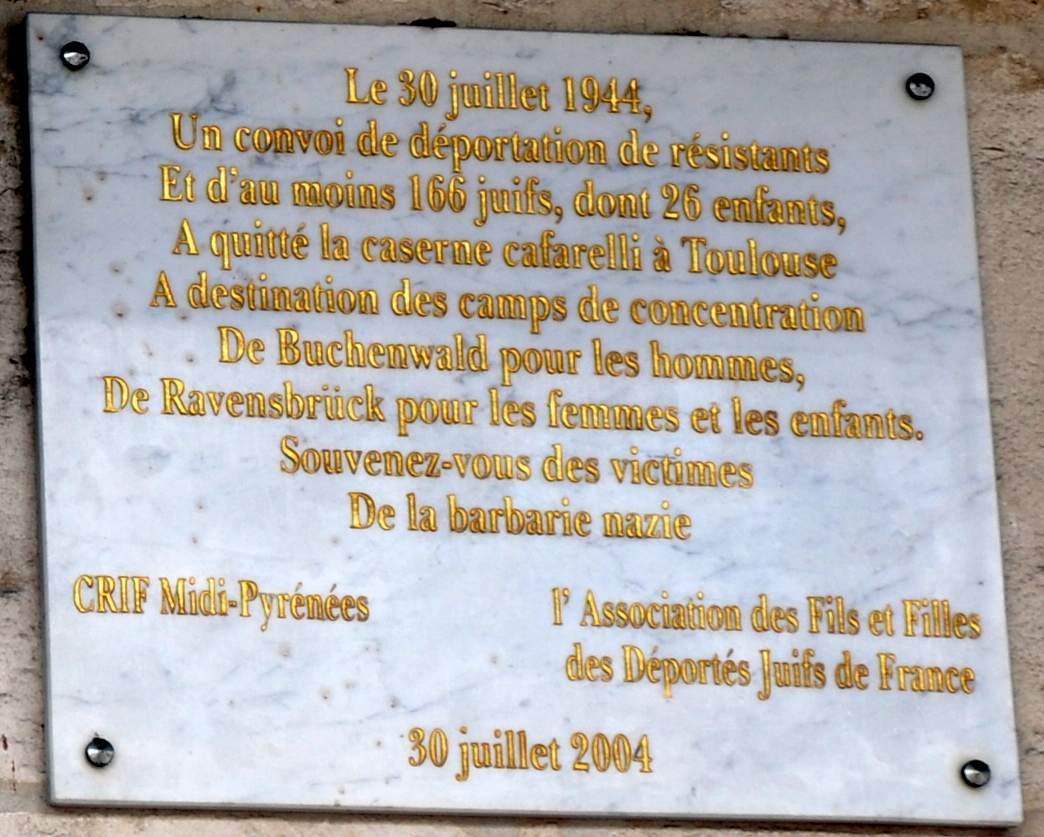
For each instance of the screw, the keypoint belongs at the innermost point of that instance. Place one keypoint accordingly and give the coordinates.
(99, 752)
(75, 55)
(975, 773)
(920, 86)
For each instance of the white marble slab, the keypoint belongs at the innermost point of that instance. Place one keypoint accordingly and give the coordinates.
(461, 628)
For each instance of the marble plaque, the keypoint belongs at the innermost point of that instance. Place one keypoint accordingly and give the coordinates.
(499, 422)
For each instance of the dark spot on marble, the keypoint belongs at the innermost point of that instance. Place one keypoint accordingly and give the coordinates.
(147, 460)
(433, 23)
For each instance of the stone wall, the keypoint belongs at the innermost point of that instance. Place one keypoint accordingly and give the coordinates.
(1003, 45)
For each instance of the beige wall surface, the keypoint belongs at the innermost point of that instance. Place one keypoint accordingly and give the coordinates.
(1003, 45)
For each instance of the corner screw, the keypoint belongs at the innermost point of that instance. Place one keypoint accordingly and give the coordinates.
(99, 752)
(75, 55)
(920, 86)
(975, 773)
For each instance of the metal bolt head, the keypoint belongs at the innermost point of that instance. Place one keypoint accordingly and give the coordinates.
(920, 86)
(975, 773)
(75, 55)
(99, 752)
